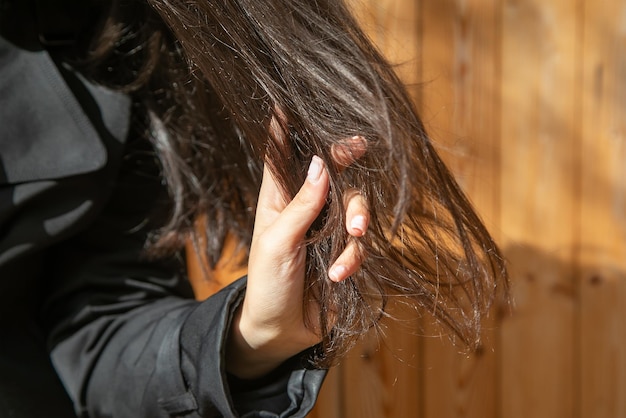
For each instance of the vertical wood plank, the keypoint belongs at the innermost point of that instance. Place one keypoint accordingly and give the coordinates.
(603, 215)
(381, 376)
(540, 61)
(394, 27)
(206, 279)
(460, 105)
(330, 400)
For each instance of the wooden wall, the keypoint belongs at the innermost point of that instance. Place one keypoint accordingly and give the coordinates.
(526, 100)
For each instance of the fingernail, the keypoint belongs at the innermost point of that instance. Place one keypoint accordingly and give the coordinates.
(315, 169)
(359, 224)
(337, 273)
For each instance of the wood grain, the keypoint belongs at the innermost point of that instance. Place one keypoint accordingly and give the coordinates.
(603, 216)
(540, 61)
(461, 108)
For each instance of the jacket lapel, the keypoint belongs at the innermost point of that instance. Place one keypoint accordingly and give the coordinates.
(47, 129)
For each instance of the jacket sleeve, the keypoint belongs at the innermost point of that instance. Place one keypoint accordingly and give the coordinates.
(126, 336)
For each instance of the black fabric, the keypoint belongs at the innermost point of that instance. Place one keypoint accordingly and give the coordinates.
(63, 22)
(55, 23)
(78, 194)
(51, 138)
(29, 387)
(18, 23)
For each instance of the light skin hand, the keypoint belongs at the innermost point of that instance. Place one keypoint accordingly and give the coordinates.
(269, 327)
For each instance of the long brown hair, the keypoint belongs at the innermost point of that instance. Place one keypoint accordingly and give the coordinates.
(212, 74)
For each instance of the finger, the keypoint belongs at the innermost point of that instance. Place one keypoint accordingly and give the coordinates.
(299, 214)
(349, 150)
(347, 264)
(357, 213)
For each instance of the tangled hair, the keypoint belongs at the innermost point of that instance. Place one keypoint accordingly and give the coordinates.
(211, 75)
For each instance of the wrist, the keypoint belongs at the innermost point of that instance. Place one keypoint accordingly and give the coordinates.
(254, 350)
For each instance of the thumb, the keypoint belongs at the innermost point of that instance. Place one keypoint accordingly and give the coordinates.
(291, 221)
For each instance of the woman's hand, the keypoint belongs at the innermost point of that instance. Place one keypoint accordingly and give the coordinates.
(269, 326)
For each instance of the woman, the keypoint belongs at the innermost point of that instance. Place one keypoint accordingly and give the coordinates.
(275, 122)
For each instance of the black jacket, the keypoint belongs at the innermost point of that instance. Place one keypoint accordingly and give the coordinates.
(82, 311)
